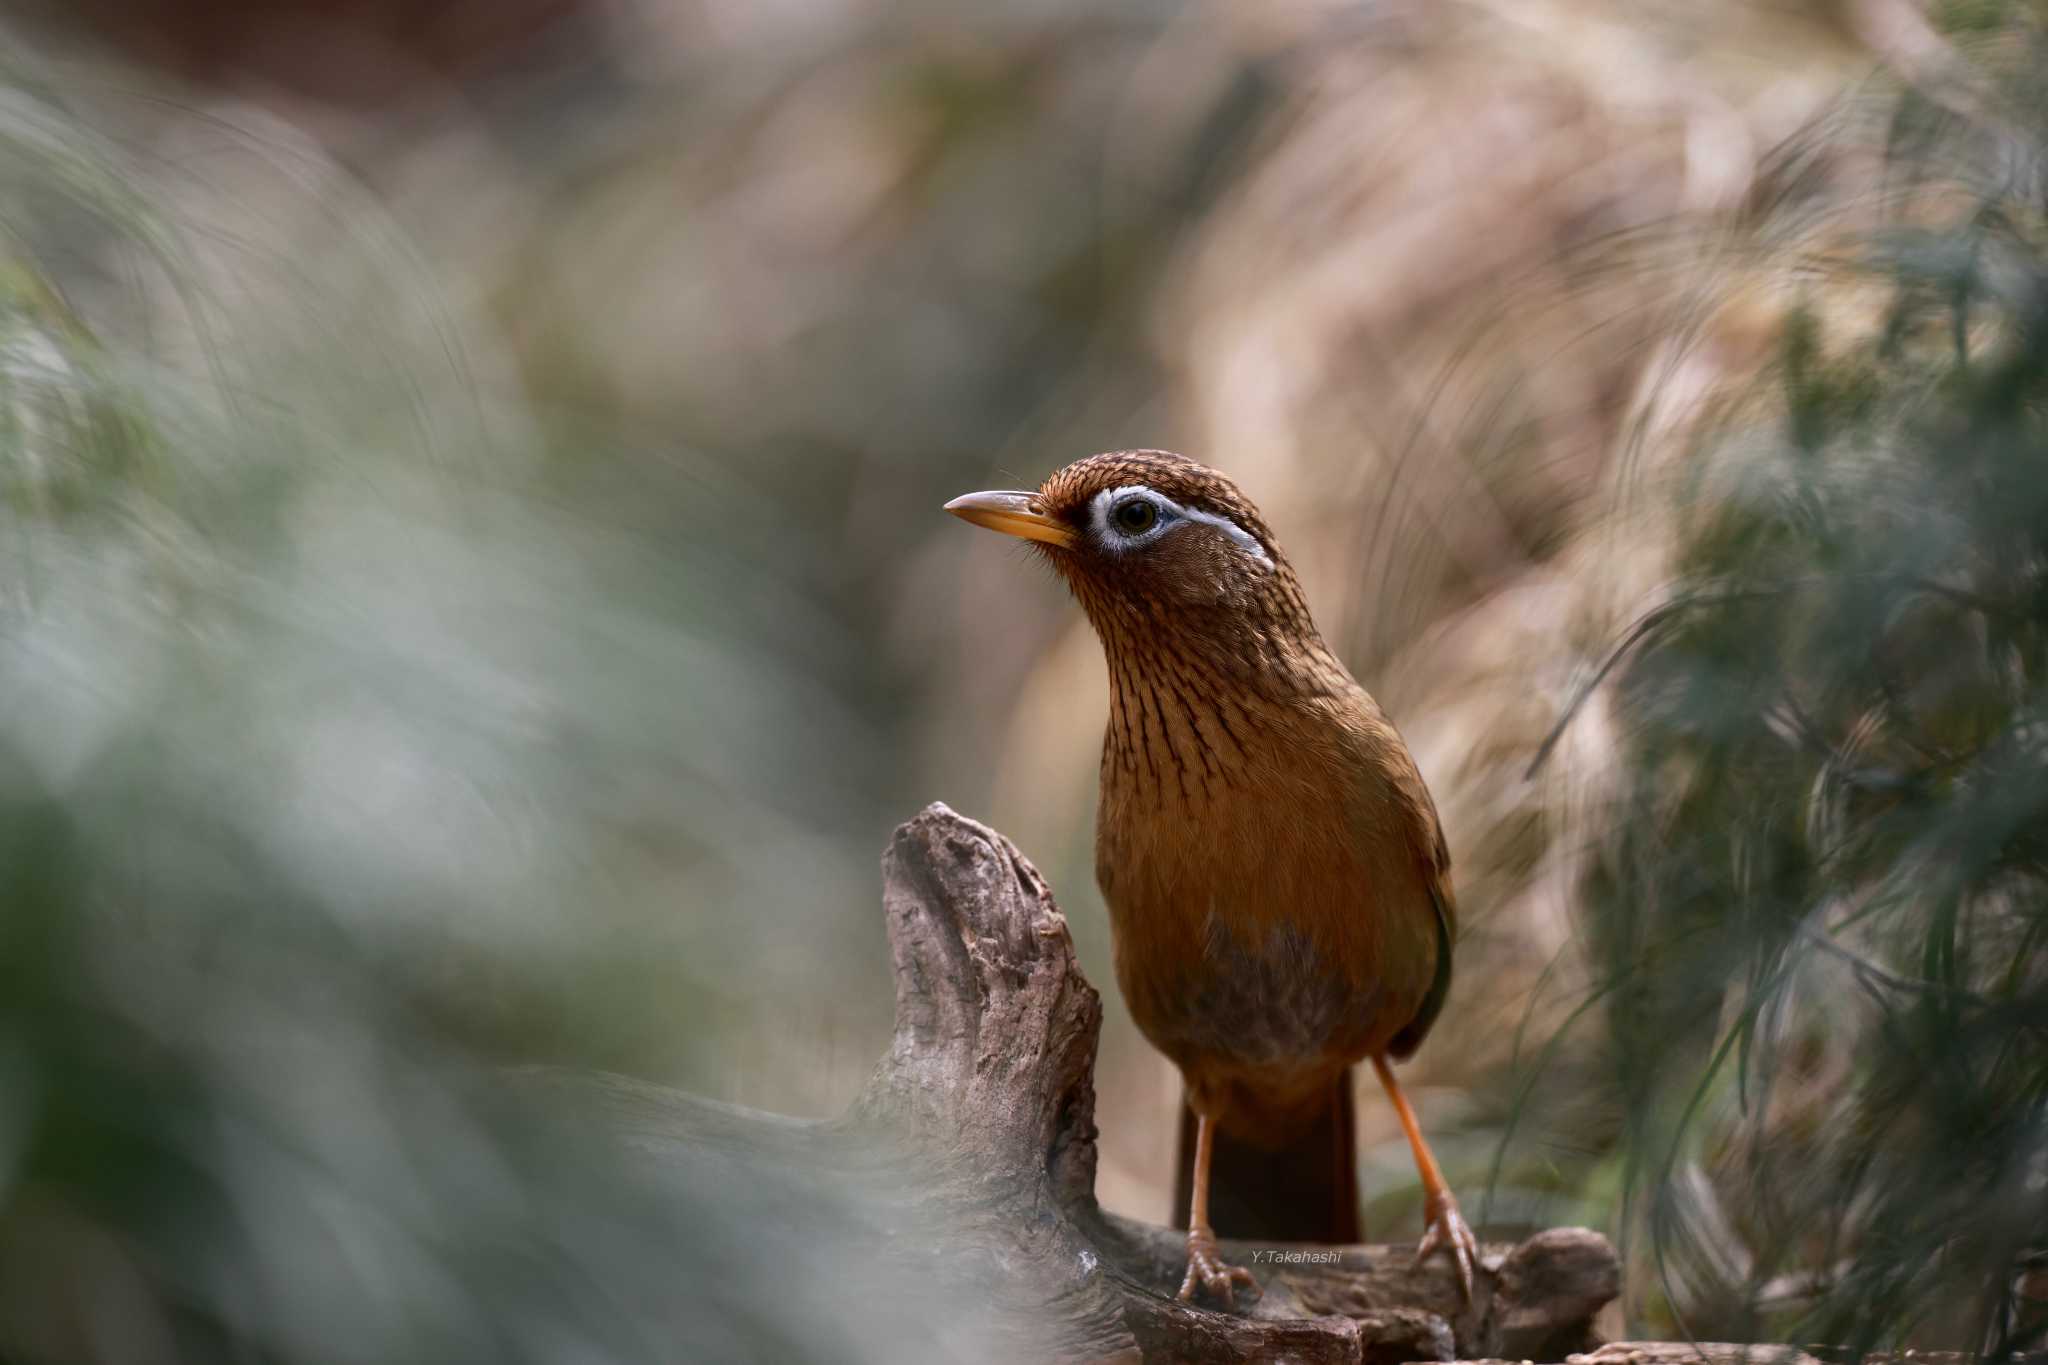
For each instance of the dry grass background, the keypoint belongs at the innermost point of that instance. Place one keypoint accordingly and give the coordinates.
(1478, 275)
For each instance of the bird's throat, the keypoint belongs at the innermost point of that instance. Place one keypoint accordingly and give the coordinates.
(1192, 716)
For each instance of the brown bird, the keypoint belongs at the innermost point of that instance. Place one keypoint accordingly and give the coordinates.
(1278, 884)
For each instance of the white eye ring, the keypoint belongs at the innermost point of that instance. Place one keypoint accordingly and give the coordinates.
(1134, 516)
(1105, 506)
(1108, 507)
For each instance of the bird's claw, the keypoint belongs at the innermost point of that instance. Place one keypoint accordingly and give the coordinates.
(1207, 1271)
(1447, 1229)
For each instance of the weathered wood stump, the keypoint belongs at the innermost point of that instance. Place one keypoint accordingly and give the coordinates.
(967, 1167)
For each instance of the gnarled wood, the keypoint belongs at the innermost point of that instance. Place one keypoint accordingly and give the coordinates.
(967, 1166)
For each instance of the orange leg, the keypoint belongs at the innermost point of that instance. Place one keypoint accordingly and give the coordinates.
(1206, 1269)
(1445, 1225)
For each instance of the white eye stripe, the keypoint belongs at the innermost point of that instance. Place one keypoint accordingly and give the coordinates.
(1100, 506)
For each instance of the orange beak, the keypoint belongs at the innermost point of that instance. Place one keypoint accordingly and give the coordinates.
(1011, 514)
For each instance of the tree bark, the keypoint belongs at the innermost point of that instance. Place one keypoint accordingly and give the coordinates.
(967, 1165)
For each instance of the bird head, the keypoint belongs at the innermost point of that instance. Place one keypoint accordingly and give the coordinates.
(1165, 555)
(1145, 524)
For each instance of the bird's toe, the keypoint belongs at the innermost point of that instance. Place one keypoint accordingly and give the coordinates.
(1448, 1231)
(1209, 1273)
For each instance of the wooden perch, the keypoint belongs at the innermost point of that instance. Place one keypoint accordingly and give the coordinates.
(967, 1166)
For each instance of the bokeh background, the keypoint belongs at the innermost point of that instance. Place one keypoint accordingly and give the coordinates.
(473, 592)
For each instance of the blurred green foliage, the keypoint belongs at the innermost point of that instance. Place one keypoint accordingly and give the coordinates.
(331, 707)
(1819, 907)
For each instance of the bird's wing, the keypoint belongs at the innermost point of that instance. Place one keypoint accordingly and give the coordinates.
(1416, 1029)
(1421, 837)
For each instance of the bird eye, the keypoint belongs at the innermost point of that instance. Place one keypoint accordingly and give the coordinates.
(1135, 516)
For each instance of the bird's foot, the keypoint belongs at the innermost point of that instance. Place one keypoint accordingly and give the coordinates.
(1447, 1230)
(1207, 1271)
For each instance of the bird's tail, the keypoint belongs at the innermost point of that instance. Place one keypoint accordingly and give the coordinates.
(1305, 1190)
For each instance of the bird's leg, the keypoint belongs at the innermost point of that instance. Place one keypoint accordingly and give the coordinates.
(1206, 1269)
(1445, 1226)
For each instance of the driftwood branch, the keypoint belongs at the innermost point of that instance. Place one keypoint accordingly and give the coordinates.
(967, 1167)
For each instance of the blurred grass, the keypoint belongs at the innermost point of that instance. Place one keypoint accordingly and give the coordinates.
(1815, 912)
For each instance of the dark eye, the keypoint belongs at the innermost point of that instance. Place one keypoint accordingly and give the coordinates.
(1135, 516)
